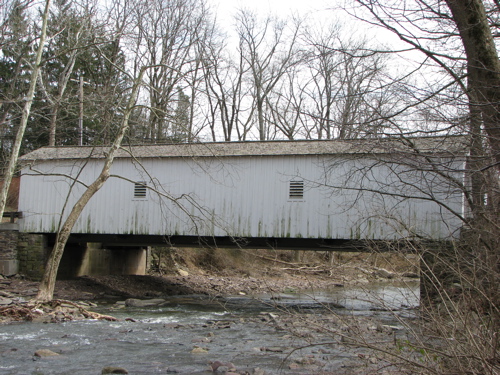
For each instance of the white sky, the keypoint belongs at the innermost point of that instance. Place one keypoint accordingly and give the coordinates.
(273, 5)
(227, 8)
(323, 12)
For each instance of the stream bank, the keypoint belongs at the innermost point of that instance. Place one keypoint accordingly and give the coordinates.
(222, 273)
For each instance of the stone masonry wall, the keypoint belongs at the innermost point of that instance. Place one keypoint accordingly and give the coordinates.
(8, 249)
(32, 255)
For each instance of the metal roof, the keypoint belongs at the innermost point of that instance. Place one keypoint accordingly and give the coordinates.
(450, 145)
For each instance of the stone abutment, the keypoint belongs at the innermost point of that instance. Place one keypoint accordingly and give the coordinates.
(27, 253)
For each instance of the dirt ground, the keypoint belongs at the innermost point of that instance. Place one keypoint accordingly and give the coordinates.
(255, 274)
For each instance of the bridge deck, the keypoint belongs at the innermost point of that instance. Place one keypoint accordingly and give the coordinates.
(314, 244)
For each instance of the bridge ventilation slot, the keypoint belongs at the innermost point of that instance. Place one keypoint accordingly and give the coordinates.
(140, 189)
(296, 190)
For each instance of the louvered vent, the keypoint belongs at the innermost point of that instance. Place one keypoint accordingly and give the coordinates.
(296, 190)
(140, 189)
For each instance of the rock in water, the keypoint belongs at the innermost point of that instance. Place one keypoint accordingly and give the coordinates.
(220, 367)
(45, 353)
(215, 365)
(114, 370)
(198, 350)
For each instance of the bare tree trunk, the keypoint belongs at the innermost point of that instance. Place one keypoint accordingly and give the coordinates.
(46, 288)
(483, 64)
(26, 112)
(476, 163)
(63, 84)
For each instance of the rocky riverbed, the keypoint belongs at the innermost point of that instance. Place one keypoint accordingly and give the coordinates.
(193, 341)
(346, 339)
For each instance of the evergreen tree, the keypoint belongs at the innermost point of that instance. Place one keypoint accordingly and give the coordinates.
(81, 52)
(16, 56)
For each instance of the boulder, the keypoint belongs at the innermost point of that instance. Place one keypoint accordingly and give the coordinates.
(198, 350)
(215, 365)
(45, 353)
(221, 367)
(182, 272)
(5, 301)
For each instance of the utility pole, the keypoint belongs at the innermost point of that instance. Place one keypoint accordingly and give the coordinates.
(80, 117)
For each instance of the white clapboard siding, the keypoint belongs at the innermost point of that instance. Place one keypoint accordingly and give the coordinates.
(344, 197)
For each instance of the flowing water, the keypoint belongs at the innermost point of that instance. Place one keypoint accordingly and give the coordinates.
(160, 340)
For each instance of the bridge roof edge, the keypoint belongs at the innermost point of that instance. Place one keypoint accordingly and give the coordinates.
(450, 145)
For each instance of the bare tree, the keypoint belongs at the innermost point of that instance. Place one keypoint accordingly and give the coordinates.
(225, 92)
(26, 110)
(288, 103)
(461, 69)
(348, 89)
(207, 40)
(167, 33)
(430, 30)
(113, 80)
(269, 52)
(16, 43)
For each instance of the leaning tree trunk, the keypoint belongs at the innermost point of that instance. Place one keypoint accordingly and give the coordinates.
(25, 114)
(46, 288)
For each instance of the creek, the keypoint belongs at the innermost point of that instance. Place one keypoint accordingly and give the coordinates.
(263, 332)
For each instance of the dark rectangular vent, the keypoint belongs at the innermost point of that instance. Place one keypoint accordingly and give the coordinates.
(296, 190)
(140, 189)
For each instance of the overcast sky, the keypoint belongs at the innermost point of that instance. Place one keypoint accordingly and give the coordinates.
(278, 5)
(227, 8)
(323, 12)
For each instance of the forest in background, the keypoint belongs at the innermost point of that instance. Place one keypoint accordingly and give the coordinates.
(264, 78)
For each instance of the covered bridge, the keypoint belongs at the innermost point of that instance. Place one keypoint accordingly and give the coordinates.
(288, 193)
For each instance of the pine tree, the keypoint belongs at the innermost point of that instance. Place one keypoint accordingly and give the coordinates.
(15, 58)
